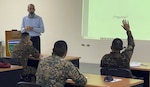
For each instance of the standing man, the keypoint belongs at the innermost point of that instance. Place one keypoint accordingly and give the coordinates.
(33, 24)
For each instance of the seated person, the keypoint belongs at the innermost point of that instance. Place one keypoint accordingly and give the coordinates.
(53, 71)
(22, 51)
(118, 57)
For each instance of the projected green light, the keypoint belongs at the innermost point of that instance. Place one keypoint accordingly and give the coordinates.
(101, 19)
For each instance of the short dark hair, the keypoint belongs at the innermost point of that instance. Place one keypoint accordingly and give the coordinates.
(24, 35)
(60, 48)
(117, 44)
(31, 5)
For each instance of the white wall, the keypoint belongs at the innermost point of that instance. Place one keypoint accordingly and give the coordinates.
(62, 20)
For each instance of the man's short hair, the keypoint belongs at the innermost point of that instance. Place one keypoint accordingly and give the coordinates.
(24, 35)
(31, 5)
(117, 44)
(60, 48)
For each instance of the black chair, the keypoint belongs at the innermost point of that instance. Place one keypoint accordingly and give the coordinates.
(119, 72)
(29, 84)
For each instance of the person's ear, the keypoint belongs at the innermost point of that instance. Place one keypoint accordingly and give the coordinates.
(111, 47)
(27, 10)
(65, 54)
(53, 49)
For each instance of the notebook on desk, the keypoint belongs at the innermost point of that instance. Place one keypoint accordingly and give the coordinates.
(135, 64)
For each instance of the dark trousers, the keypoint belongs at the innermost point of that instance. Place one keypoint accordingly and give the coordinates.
(36, 43)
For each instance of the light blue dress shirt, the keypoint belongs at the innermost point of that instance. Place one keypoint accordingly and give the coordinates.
(36, 22)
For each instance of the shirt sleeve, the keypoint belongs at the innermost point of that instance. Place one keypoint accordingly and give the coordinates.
(103, 62)
(39, 29)
(130, 48)
(23, 25)
(75, 75)
(34, 52)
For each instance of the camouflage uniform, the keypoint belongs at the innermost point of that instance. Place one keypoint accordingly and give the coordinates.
(119, 59)
(22, 51)
(54, 71)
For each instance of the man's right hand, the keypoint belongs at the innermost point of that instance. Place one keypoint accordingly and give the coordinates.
(28, 28)
(30, 42)
(125, 25)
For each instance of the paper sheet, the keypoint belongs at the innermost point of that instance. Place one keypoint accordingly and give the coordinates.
(135, 64)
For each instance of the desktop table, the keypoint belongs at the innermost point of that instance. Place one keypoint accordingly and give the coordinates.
(10, 76)
(34, 61)
(143, 71)
(98, 81)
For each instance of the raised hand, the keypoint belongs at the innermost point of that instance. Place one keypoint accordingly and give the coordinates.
(125, 25)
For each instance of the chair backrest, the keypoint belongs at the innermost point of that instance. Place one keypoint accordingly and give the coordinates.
(119, 72)
(29, 84)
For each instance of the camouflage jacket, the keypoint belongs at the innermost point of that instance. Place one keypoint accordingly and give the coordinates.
(119, 59)
(54, 71)
(22, 51)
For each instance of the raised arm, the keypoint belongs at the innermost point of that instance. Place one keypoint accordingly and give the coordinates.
(131, 44)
